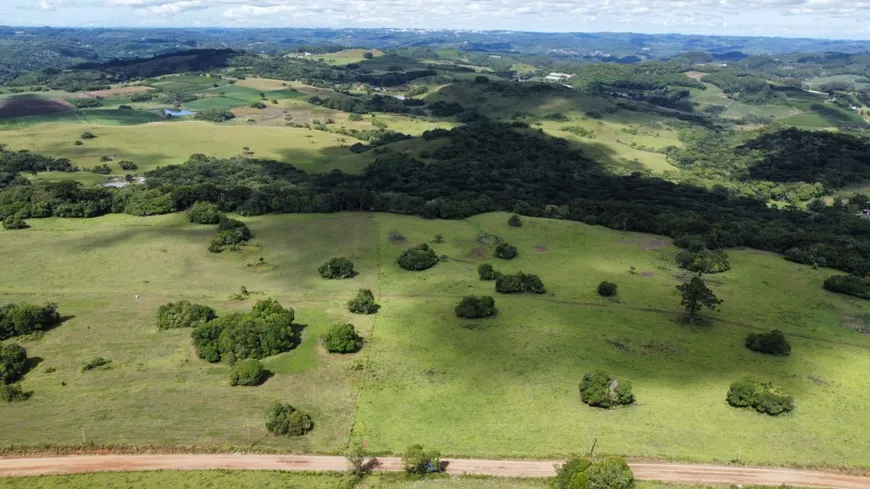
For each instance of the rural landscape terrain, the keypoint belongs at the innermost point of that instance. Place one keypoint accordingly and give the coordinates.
(371, 246)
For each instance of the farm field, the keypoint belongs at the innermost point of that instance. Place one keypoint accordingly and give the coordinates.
(165, 143)
(505, 386)
(347, 56)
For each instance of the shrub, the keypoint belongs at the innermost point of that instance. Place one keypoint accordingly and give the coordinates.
(258, 105)
(439, 238)
(418, 258)
(773, 343)
(849, 285)
(487, 272)
(610, 473)
(764, 397)
(506, 251)
(355, 117)
(78, 143)
(520, 283)
(183, 314)
(13, 363)
(607, 289)
(23, 318)
(204, 213)
(515, 221)
(96, 363)
(473, 307)
(104, 158)
(357, 457)
(128, 165)
(418, 461)
(87, 135)
(231, 233)
(570, 475)
(342, 338)
(214, 115)
(363, 303)
(601, 389)
(337, 268)
(704, 260)
(125, 107)
(286, 420)
(14, 222)
(248, 372)
(266, 330)
(13, 393)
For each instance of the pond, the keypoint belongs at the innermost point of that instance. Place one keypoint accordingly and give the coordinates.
(176, 113)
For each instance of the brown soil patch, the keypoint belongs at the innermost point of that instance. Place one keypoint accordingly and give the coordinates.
(24, 105)
(855, 323)
(647, 274)
(695, 75)
(541, 249)
(112, 92)
(477, 252)
(647, 243)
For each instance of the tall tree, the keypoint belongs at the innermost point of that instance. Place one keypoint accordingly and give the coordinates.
(696, 296)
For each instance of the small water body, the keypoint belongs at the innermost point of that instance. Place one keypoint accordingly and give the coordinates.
(176, 113)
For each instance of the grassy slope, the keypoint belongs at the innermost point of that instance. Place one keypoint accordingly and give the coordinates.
(505, 386)
(347, 56)
(160, 144)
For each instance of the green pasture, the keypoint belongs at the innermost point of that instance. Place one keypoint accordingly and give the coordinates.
(347, 56)
(500, 387)
(166, 143)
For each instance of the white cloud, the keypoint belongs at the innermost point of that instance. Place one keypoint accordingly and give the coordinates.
(46, 5)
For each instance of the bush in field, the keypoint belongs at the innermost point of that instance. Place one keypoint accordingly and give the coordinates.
(849, 285)
(764, 397)
(342, 338)
(204, 213)
(231, 233)
(506, 251)
(183, 314)
(773, 343)
(601, 389)
(473, 307)
(703, 260)
(363, 303)
(266, 330)
(607, 289)
(515, 221)
(13, 363)
(14, 222)
(337, 268)
(96, 363)
(286, 420)
(570, 475)
(418, 461)
(258, 105)
(23, 318)
(214, 115)
(610, 473)
(418, 258)
(487, 272)
(519, 284)
(248, 372)
(13, 393)
(128, 165)
(87, 135)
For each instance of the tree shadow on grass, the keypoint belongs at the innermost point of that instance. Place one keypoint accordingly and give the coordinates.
(32, 362)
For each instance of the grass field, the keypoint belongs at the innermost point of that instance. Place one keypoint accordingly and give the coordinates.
(505, 386)
(153, 145)
(347, 56)
(282, 480)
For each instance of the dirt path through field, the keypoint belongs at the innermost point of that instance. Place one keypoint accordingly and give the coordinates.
(683, 473)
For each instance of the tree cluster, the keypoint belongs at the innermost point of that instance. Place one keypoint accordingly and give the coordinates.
(601, 389)
(266, 330)
(230, 235)
(505, 251)
(704, 261)
(418, 258)
(773, 343)
(337, 268)
(520, 283)
(285, 420)
(13, 363)
(363, 303)
(214, 115)
(580, 473)
(849, 285)
(475, 307)
(342, 338)
(183, 314)
(23, 318)
(764, 397)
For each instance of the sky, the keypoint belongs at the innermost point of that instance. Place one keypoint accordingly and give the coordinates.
(834, 19)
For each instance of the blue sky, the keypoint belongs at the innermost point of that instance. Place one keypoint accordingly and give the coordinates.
(839, 19)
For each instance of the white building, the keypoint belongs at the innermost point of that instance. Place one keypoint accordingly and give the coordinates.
(557, 77)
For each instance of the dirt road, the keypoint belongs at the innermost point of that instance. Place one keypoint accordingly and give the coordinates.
(702, 474)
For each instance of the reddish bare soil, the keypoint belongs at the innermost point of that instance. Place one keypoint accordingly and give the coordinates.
(683, 473)
(24, 105)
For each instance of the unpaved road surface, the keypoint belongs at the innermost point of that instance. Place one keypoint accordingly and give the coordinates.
(700, 474)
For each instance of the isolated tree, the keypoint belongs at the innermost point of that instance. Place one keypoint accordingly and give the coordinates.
(363, 303)
(285, 419)
(474, 307)
(248, 372)
(773, 343)
(13, 363)
(515, 221)
(416, 460)
(337, 268)
(607, 289)
(601, 389)
(342, 338)
(368, 55)
(357, 458)
(87, 135)
(696, 296)
(506, 251)
(204, 213)
(418, 258)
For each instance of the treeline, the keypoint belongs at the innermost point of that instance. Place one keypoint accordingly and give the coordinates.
(478, 168)
(650, 75)
(745, 87)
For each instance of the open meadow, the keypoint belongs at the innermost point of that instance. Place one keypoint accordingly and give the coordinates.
(503, 386)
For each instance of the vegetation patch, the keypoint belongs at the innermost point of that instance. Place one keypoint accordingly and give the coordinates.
(601, 389)
(337, 268)
(249, 372)
(773, 343)
(520, 283)
(342, 338)
(286, 420)
(183, 314)
(418, 258)
(363, 303)
(266, 330)
(475, 307)
(764, 397)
